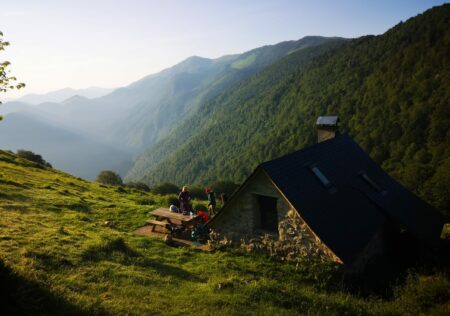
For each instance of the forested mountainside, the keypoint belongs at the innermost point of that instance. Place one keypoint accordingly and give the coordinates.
(244, 91)
(390, 92)
(179, 91)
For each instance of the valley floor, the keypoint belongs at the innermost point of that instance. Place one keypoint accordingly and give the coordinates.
(57, 258)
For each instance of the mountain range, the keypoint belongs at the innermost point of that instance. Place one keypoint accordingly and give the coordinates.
(133, 118)
(62, 94)
(205, 120)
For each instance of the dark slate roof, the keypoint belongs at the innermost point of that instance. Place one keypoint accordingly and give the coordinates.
(348, 210)
(327, 120)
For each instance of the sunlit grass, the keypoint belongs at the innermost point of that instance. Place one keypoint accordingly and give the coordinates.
(52, 237)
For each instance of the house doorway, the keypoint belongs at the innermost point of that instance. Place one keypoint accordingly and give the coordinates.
(268, 210)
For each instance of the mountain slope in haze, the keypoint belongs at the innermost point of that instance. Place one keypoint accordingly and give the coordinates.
(390, 91)
(180, 90)
(134, 117)
(64, 149)
(246, 90)
(15, 106)
(62, 94)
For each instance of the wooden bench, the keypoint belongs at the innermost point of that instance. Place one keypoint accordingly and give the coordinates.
(155, 223)
(174, 222)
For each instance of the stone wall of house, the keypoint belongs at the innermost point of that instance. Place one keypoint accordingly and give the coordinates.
(240, 225)
(294, 242)
(242, 217)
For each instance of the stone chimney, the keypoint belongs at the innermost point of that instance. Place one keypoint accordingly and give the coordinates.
(327, 127)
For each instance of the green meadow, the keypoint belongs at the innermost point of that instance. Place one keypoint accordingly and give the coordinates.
(57, 257)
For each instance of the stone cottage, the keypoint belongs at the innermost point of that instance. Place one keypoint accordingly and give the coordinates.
(333, 197)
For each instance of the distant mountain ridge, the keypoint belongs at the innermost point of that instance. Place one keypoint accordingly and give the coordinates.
(62, 94)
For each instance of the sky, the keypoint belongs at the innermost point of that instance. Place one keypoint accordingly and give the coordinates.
(112, 43)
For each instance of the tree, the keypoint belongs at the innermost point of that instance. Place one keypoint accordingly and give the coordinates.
(109, 177)
(29, 155)
(138, 186)
(5, 77)
(227, 187)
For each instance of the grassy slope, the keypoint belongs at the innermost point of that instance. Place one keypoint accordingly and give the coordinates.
(57, 258)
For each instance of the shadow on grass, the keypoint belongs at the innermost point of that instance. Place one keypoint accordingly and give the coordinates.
(116, 250)
(19, 296)
(14, 197)
(80, 207)
(301, 303)
(16, 184)
(48, 262)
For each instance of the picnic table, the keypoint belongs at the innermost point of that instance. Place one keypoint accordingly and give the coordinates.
(167, 219)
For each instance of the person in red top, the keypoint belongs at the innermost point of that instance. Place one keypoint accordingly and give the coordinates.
(211, 201)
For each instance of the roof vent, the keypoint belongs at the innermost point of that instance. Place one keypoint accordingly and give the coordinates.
(327, 127)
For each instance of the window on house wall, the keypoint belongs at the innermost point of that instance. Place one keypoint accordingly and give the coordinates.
(268, 212)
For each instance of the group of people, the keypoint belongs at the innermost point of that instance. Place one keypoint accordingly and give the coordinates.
(186, 205)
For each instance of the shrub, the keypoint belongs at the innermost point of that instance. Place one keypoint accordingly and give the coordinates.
(197, 192)
(227, 187)
(138, 186)
(165, 188)
(109, 177)
(31, 156)
(121, 190)
(145, 201)
(423, 295)
(171, 199)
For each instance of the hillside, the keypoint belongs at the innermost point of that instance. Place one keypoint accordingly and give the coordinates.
(390, 92)
(181, 89)
(56, 258)
(134, 117)
(246, 91)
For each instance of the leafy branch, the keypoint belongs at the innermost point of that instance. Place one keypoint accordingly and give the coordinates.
(7, 82)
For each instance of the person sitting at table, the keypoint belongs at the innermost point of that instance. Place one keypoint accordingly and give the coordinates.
(185, 201)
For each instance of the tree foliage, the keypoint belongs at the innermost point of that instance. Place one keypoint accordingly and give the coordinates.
(6, 80)
(138, 186)
(109, 177)
(227, 187)
(29, 155)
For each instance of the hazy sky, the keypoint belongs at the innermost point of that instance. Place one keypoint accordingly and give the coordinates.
(82, 43)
